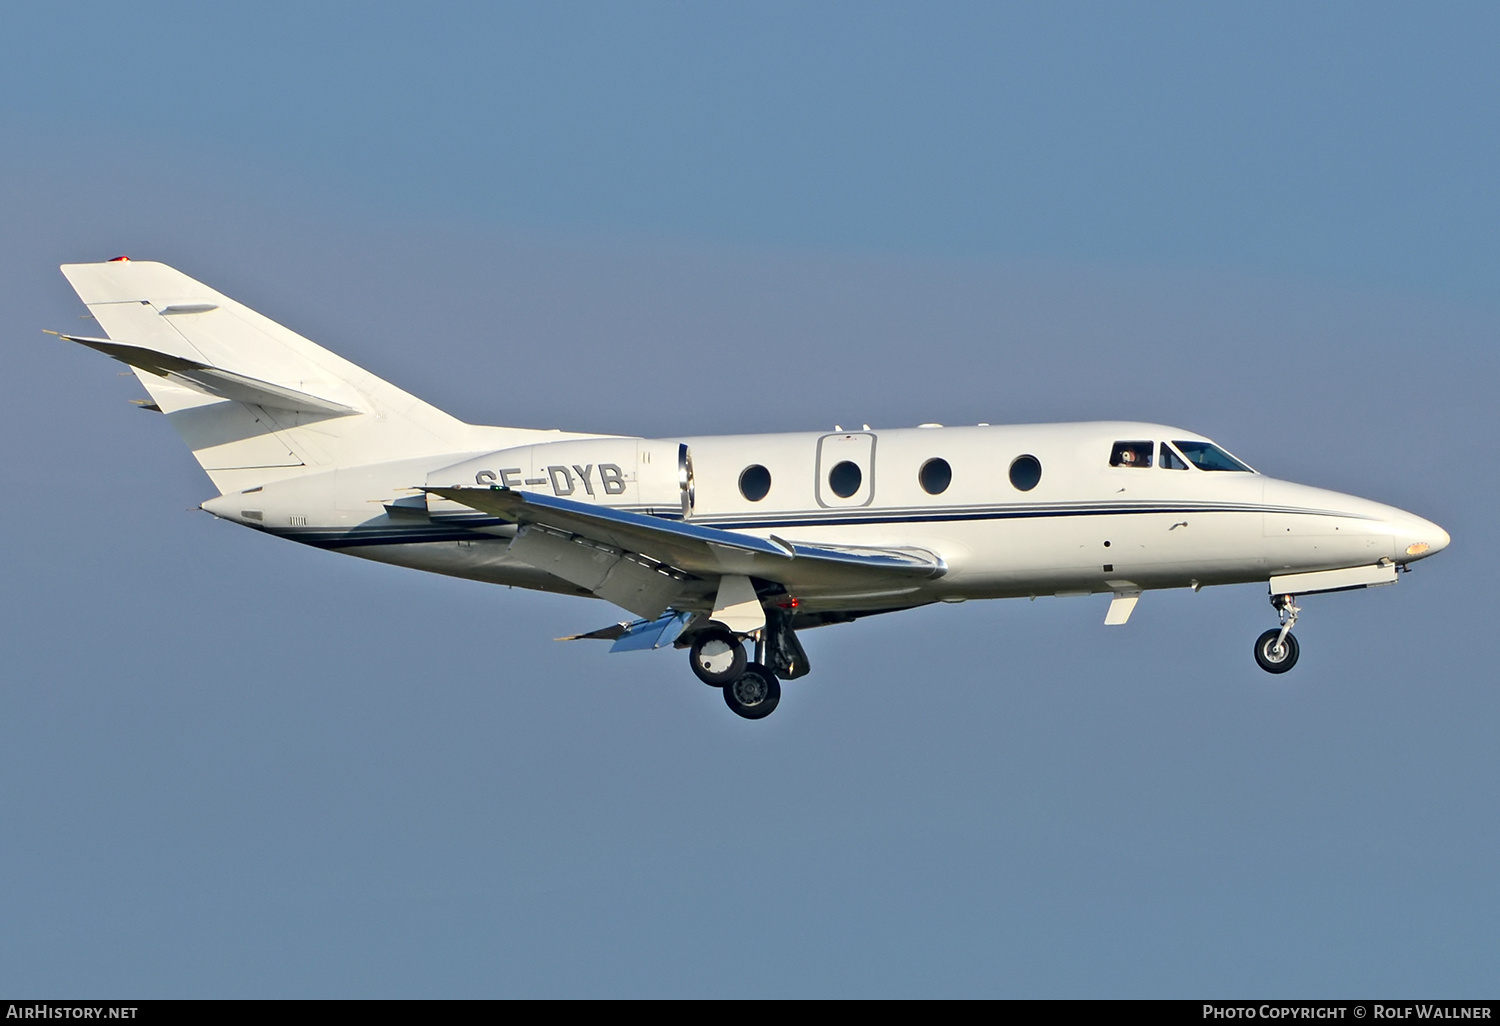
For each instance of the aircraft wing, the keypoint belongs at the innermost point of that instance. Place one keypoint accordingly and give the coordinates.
(708, 552)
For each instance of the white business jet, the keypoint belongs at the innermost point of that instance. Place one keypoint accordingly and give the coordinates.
(712, 543)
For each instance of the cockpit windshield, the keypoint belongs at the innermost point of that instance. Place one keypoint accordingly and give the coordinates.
(1170, 459)
(1207, 456)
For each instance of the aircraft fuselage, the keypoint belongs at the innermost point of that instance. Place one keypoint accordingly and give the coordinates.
(1085, 526)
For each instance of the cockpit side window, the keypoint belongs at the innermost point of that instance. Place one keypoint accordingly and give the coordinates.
(1170, 460)
(1208, 456)
(1131, 454)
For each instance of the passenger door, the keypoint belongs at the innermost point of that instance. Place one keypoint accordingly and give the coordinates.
(846, 469)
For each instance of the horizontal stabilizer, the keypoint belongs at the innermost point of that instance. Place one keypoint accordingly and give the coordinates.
(214, 381)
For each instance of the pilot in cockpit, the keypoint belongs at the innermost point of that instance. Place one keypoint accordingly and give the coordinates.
(1131, 454)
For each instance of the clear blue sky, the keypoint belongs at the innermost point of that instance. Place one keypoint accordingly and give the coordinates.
(233, 766)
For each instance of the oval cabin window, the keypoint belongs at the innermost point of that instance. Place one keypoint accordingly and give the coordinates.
(1025, 472)
(755, 482)
(845, 479)
(935, 476)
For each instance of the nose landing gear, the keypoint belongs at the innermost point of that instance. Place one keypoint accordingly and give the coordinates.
(1276, 650)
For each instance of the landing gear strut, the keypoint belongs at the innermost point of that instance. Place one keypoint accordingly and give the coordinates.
(1276, 650)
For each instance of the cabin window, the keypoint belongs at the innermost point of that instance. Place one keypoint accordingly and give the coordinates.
(1208, 456)
(1131, 454)
(845, 479)
(1025, 472)
(935, 476)
(1170, 460)
(755, 482)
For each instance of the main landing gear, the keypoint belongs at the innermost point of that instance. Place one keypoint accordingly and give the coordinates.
(717, 657)
(1276, 650)
(754, 693)
(751, 689)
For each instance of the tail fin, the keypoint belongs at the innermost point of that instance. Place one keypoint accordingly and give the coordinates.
(223, 374)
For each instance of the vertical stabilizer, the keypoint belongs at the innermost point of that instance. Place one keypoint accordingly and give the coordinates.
(181, 323)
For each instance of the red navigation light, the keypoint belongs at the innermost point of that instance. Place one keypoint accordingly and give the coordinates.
(118, 260)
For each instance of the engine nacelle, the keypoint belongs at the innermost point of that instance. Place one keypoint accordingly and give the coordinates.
(649, 475)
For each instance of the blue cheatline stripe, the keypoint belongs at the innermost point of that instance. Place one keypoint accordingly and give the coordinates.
(463, 527)
(1012, 512)
(1009, 512)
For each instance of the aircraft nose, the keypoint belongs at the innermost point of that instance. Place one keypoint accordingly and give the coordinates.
(1417, 538)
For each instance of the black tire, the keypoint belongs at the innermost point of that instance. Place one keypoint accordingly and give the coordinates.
(1271, 660)
(754, 694)
(717, 657)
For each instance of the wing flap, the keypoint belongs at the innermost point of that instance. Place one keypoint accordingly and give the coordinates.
(645, 588)
(639, 635)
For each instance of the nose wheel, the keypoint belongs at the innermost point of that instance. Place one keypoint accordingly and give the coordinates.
(1276, 654)
(1276, 650)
